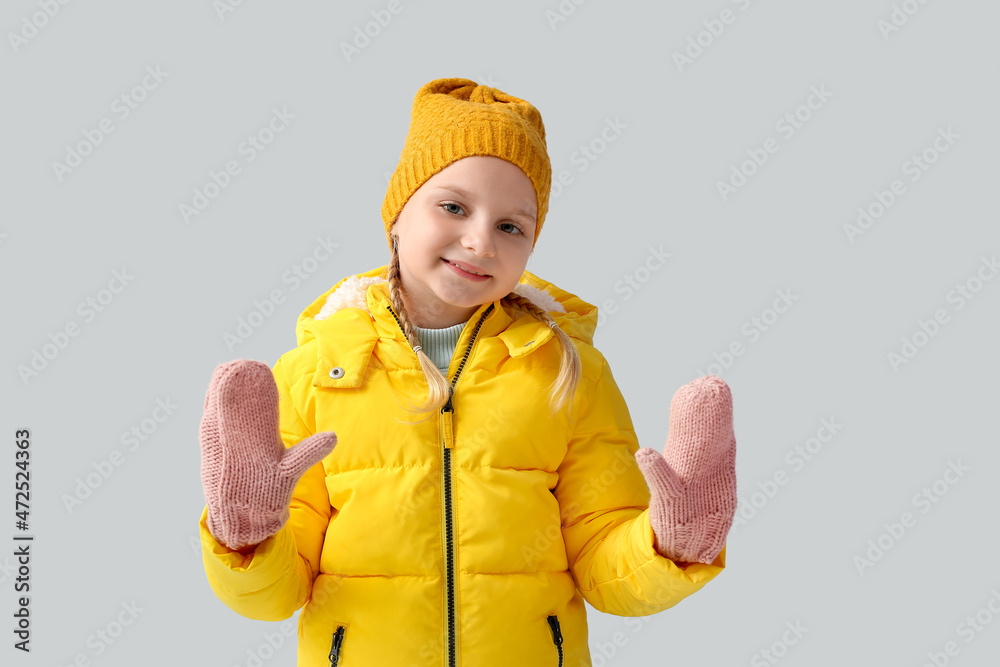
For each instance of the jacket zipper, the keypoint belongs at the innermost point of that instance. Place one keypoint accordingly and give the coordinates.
(556, 635)
(338, 640)
(448, 442)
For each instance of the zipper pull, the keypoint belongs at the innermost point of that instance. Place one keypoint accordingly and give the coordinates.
(556, 633)
(338, 639)
(446, 425)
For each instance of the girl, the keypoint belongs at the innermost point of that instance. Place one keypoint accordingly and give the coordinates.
(404, 477)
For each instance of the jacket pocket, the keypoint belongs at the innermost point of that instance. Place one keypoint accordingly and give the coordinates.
(557, 638)
(337, 645)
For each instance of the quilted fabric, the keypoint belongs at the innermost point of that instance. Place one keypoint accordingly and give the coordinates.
(473, 538)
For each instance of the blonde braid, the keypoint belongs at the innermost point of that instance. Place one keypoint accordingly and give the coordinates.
(439, 389)
(570, 367)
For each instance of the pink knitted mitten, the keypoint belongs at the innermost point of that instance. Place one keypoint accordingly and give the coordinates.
(693, 483)
(247, 473)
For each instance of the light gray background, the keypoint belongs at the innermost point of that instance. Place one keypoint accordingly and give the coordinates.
(826, 357)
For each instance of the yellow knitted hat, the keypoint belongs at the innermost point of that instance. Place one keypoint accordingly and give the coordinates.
(456, 118)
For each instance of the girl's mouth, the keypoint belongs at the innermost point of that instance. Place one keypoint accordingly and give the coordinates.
(465, 274)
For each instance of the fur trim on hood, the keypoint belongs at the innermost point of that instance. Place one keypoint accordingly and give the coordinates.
(351, 294)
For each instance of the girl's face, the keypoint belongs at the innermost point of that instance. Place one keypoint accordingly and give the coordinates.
(478, 212)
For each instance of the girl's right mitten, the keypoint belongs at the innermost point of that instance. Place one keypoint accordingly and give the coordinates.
(247, 473)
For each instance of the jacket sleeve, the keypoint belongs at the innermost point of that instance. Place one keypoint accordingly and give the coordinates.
(604, 507)
(273, 581)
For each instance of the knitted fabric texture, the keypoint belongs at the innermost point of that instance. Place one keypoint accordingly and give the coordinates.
(456, 118)
(247, 474)
(439, 344)
(693, 483)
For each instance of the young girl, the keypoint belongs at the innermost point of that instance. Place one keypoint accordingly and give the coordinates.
(444, 469)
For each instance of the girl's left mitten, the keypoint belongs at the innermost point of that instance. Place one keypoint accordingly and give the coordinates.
(247, 473)
(693, 483)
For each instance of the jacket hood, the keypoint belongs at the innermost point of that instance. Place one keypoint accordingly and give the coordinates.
(367, 293)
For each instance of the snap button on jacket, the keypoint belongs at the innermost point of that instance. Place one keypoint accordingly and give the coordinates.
(473, 538)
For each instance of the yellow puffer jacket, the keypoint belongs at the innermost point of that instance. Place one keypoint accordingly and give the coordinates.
(471, 539)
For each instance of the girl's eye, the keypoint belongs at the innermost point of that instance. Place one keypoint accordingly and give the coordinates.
(516, 231)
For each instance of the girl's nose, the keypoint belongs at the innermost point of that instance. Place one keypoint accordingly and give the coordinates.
(477, 238)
